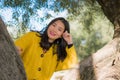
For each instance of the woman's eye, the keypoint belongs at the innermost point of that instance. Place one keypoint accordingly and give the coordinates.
(60, 30)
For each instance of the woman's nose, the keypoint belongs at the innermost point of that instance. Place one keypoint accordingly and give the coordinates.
(55, 29)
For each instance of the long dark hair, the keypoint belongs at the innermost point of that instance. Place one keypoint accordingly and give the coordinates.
(59, 44)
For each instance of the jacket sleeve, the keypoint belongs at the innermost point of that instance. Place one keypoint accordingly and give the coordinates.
(70, 61)
(25, 41)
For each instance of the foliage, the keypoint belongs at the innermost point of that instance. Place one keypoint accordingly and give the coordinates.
(88, 23)
(92, 31)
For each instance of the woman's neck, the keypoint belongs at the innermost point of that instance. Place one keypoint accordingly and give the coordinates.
(50, 41)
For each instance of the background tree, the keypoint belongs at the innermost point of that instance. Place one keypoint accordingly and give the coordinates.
(104, 64)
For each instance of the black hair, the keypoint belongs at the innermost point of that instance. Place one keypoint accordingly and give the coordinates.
(59, 44)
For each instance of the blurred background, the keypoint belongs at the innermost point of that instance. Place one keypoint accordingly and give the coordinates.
(90, 29)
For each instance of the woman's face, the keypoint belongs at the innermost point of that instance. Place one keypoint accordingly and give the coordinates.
(55, 30)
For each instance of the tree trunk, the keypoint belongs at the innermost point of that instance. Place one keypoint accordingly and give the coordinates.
(105, 63)
(111, 9)
(11, 67)
(102, 65)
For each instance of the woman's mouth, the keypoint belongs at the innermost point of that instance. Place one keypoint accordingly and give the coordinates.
(52, 33)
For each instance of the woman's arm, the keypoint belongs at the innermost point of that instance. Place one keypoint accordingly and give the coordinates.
(70, 60)
(24, 42)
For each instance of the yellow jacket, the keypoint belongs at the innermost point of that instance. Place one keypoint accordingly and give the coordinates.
(42, 68)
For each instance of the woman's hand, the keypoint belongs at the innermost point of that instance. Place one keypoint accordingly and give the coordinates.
(67, 37)
(19, 50)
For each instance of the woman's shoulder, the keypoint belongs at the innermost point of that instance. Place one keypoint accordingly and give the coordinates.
(34, 33)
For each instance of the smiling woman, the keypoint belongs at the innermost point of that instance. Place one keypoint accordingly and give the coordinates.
(47, 51)
(55, 31)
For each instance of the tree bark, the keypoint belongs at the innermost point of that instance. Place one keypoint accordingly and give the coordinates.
(111, 9)
(11, 66)
(104, 64)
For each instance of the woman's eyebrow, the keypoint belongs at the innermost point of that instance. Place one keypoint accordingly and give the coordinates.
(58, 26)
(54, 23)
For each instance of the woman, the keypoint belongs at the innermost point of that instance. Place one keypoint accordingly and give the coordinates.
(47, 51)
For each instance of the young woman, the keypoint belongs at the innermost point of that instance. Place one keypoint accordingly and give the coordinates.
(47, 51)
